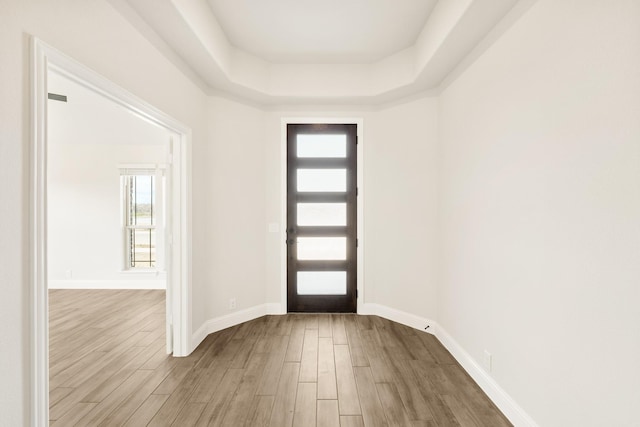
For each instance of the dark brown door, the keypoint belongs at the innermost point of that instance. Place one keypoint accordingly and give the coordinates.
(321, 217)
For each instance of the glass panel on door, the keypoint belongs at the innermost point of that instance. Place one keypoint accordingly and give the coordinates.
(322, 248)
(322, 214)
(322, 282)
(319, 145)
(322, 180)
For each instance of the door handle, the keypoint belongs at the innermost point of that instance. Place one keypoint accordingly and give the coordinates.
(288, 240)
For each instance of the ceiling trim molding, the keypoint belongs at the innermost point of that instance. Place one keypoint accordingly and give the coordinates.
(196, 41)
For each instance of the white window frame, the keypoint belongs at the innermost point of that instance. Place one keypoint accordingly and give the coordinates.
(157, 171)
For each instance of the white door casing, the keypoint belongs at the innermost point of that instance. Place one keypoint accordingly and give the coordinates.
(178, 263)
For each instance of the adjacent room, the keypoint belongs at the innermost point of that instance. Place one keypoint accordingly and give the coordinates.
(337, 213)
(106, 253)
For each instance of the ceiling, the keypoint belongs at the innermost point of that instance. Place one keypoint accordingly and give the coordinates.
(337, 52)
(327, 31)
(88, 118)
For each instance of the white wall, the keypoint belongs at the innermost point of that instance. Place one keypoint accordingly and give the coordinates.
(88, 138)
(243, 192)
(540, 208)
(97, 36)
(233, 225)
(14, 220)
(400, 208)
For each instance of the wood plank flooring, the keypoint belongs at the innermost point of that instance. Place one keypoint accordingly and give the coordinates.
(108, 367)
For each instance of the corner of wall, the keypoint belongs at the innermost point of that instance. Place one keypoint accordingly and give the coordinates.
(407, 319)
(223, 322)
(497, 394)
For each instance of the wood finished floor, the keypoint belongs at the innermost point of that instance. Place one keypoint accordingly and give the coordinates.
(108, 367)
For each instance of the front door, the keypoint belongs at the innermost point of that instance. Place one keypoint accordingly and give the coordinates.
(321, 218)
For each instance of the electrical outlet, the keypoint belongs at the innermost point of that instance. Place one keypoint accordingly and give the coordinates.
(487, 361)
(232, 304)
(68, 274)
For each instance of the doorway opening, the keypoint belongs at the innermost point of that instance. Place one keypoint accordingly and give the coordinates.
(322, 218)
(47, 60)
(107, 188)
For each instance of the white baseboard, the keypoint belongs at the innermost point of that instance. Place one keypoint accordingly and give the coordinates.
(107, 284)
(421, 323)
(275, 308)
(500, 398)
(226, 321)
(497, 394)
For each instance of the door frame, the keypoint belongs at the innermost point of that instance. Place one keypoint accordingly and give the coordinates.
(359, 122)
(43, 59)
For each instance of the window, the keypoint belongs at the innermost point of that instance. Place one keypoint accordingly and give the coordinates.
(142, 217)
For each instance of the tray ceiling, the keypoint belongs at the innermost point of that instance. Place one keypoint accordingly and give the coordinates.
(320, 52)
